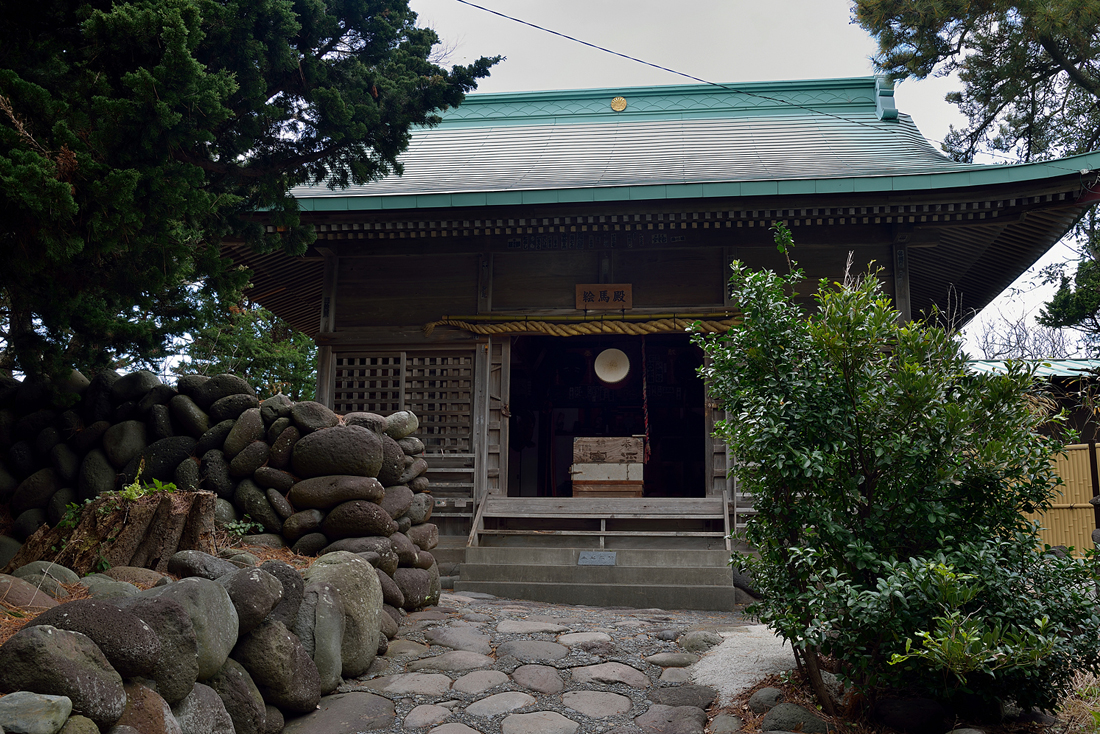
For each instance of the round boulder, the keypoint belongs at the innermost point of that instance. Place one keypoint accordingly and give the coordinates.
(188, 563)
(249, 460)
(406, 551)
(28, 522)
(202, 712)
(397, 500)
(401, 424)
(146, 711)
(420, 509)
(390, 593)
(162, 457)
(252, 501)
(56, 662)
(286, 610)
(425, 535)
(324, 493)
(214, 438)
(276, 479)
(283, 671)
(212, 615)
(413, 471)
(415, 585)
(248, 428)
(188, 475)
(254, 593)
(387, 556)
(214, 470)
(310, 416)
(189, 384)
(310, 544)
(190, 418)
(123, 441)
(278, 503)
(282, 448)
(232, 406)
(357, 583)
(241, 698)
(301, 524)
(160, 423)
(319, 625)
(35, 491)
(96, 475)
(159, 395)
(370, 421)
(357, 518)
(132, 387)
(340, 450)
(276, 429)
(216, 388)
(276, 407)
(393, 461)
(129, 644)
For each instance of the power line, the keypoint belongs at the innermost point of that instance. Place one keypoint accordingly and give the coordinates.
(635, 59)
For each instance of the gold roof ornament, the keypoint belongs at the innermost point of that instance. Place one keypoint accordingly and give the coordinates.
(618, 104)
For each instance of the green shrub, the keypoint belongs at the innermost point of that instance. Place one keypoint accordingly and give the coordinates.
(890, 485)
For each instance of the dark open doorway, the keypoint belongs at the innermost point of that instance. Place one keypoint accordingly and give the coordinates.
(556, 396)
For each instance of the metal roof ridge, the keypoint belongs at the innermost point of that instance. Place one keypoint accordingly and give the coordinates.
(854, 81)
(850, 94)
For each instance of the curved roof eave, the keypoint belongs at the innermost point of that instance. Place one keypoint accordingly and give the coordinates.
(978, 176)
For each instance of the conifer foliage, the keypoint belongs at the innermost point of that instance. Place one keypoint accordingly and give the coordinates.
(137, 136)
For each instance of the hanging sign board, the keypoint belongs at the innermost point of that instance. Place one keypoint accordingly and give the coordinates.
(605, 296)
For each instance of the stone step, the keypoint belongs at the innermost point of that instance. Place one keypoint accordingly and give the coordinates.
(637, 577)
(643, 557)
(662, 575)
(639, 596)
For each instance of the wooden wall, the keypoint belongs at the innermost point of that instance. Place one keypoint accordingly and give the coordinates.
(393, 290)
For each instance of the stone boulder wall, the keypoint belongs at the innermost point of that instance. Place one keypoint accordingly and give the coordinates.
(319, 481)
(239, 652)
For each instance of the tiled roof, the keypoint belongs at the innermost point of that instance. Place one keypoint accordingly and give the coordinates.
(688, 141)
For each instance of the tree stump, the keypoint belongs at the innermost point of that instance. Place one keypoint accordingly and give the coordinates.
(117, 532)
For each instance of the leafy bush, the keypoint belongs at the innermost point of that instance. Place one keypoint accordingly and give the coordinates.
(889, 485)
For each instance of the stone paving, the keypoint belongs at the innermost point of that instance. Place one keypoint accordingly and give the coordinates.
(477, 664)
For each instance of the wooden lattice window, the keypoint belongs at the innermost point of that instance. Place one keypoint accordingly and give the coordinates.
(436, 386)
(369, 383)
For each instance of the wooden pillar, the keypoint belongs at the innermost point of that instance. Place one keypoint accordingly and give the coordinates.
(326, 367)
(481, 421)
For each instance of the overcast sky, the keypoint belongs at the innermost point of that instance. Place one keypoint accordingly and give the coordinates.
(716, 40)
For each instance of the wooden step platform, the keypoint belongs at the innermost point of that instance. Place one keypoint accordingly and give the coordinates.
(646, 517)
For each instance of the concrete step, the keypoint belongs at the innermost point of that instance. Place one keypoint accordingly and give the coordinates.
(647, 557)
(639, 596)
(642, 577)
(662, 575)
(450, 552)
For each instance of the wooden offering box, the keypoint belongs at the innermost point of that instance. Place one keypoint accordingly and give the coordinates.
(607, 467)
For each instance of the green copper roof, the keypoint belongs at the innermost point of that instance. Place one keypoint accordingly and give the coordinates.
(671, 142)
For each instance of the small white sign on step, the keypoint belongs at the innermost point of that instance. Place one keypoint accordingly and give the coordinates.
(596, 558)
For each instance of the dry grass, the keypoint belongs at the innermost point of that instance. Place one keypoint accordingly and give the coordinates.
(13, 618)
(1080, 712)
(224, 540)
